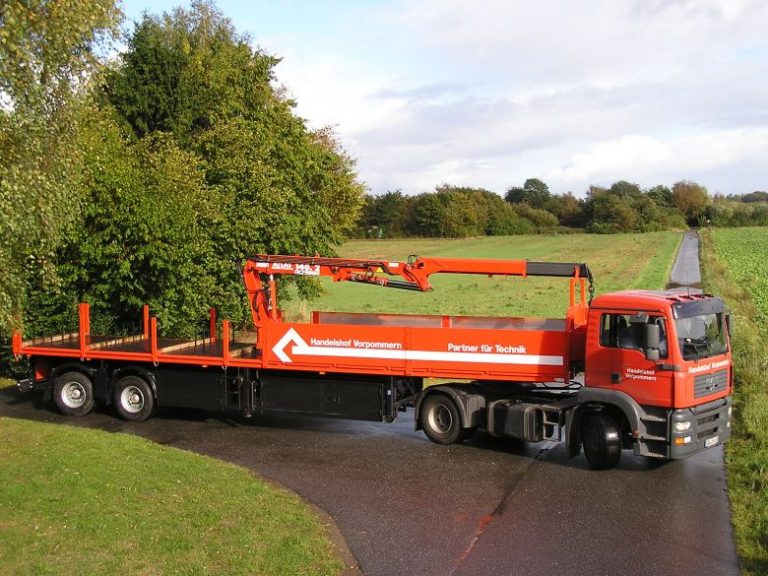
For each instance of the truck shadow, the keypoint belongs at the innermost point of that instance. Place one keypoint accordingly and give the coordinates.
(187, 423)
(554, 453)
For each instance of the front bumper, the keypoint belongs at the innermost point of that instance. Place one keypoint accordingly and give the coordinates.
(710, 425)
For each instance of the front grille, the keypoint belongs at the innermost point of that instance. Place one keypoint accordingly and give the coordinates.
(706, 384)
(711, 418)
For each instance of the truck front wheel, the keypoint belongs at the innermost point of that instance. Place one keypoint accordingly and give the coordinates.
(133, 399)
(441, 420)
(73, 393)
(601, 436)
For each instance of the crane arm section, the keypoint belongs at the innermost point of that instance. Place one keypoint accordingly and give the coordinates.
(410, 275)
(414, 274)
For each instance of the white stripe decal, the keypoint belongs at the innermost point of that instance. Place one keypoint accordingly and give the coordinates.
(301, 348)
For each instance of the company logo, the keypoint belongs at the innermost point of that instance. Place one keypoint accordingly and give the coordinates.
(298, 269)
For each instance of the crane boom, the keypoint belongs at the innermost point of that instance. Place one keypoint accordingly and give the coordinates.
(415, 271)
(413, 274)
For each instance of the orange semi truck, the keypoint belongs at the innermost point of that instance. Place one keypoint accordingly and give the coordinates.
(643, 370)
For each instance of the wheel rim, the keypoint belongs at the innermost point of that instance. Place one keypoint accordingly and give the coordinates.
(73, 394)
(440, 419)
(132, 399)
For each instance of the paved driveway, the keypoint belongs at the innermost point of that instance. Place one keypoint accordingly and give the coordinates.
(407, 506)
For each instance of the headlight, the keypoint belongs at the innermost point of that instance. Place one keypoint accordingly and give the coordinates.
(682, 426)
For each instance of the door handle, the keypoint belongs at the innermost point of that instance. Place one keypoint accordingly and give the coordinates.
(615, 377)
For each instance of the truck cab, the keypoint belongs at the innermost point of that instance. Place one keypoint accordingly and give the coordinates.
(661, 361)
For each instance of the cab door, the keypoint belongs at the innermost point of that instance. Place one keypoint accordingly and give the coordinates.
(600, 350)
(631, 373)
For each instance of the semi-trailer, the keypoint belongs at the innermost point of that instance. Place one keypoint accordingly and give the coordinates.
(643, 370)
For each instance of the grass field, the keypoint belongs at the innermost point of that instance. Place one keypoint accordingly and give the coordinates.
(75, 501)
(617, 262)
(734, 266)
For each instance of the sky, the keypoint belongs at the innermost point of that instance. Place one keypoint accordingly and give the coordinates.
(487, 94)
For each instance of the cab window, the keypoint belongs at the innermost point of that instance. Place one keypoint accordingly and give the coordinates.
(617, 331)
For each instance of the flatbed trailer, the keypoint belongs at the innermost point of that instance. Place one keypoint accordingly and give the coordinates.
(514, 376)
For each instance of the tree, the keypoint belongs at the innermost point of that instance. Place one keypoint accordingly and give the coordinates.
(691, 199)
(190, 70)
(515, 195)
(47, 60)
(567, 208)
(662, 196)
(155, 251)
(625, 190)
(608, 213)
(280, 187)
(538, 217)
(460, 216)
(534, 192)
(388, 214)
(649, 216)
(756, 196)
(428, 214)
(505, 221)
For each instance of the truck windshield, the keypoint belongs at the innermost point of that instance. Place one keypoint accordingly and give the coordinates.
(702, 336)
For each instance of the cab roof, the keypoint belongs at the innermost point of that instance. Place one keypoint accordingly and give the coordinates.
(649, 299)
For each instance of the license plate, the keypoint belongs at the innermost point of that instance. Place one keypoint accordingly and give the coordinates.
(710, 441)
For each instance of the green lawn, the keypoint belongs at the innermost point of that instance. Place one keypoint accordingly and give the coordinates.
(617, 262)
(734, 266)
(75, 501)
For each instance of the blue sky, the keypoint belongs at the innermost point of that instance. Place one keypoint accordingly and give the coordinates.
(487, 94)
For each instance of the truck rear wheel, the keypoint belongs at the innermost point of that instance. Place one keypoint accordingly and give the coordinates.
(133, 399)
(73, 393)
(601, 436)
(441, 420)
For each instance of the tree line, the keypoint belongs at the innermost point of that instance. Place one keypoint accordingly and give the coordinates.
(148, 177)
(455, 212)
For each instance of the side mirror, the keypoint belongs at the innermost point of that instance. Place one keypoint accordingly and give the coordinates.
(651, 336)
(651, 340)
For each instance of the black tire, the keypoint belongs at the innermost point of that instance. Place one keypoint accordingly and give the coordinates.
(441, 420)
(133, 399)
(73, 393)
(601, 436)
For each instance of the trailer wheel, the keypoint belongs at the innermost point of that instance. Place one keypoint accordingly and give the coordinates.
(441, 420)
(73, 393)
(133, 399)
(602, 440)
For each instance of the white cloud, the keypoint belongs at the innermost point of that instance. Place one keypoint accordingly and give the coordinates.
(631, 156)
(430, 91)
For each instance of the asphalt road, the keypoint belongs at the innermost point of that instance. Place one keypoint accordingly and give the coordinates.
(491, 506)
(407, 506)
(685, 270)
